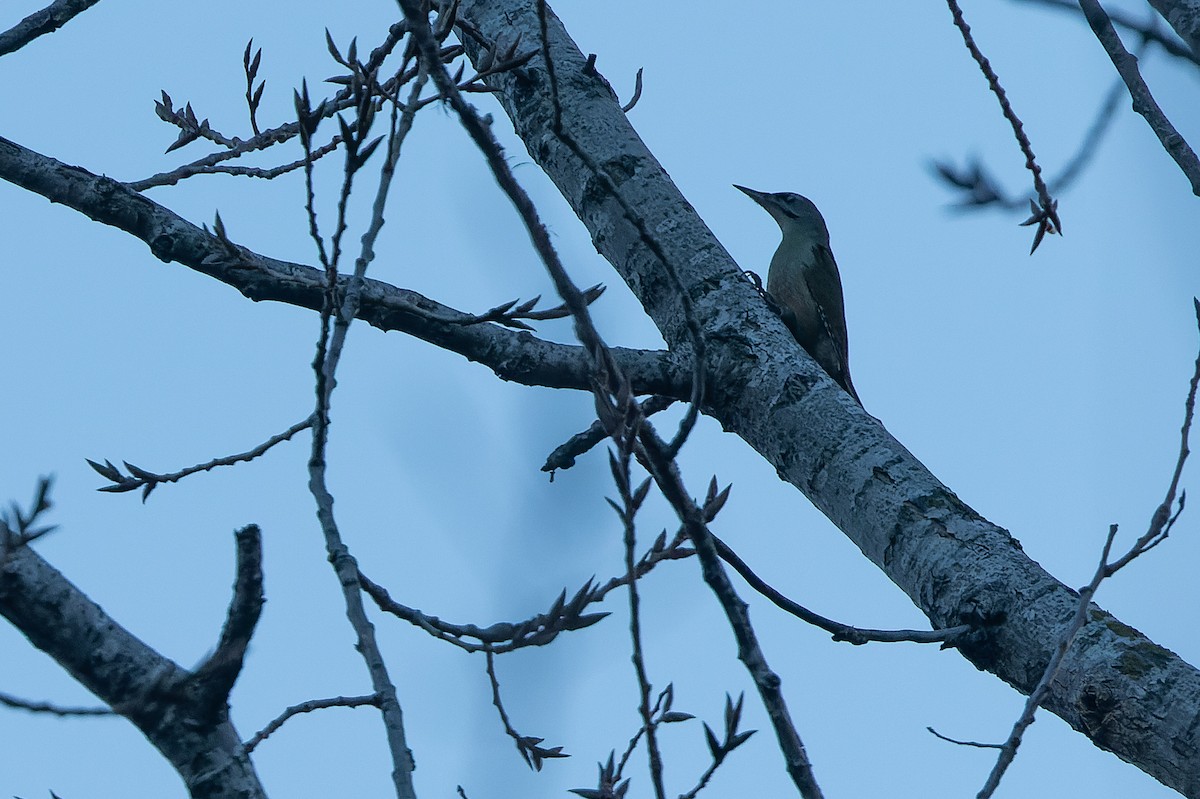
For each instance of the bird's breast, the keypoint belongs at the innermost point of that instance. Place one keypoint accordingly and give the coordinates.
(787, 285)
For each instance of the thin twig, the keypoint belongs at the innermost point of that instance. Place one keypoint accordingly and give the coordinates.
(253, 94)
(341, 101)
(528, 745)
(637, 93)
(975, 744)
(631, 502)
(982, 190)
(139, 478)
(503, 637)
(17, 526)
(329, 350)
(307, 707)
(666, 475)
(1045, 215)
(840, 632)
(1160, 525)
(563, 456)
(649, 721)
(8, 700)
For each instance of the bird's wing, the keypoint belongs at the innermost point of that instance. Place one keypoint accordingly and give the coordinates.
(827, 295)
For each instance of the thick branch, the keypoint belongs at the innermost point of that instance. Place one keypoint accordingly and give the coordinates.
(39, 23)
(956, 566)
(150, 690)
(512, 355)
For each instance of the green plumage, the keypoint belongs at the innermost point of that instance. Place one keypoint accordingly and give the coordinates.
(804, 282)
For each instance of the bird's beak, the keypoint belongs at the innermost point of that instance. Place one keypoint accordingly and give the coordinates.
(757, 196)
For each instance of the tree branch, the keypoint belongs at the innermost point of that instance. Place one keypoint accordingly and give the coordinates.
(1184, 19)
(39, 23)
(1143, 101)
(957, 567)
(216, 676)
(1147, 32)
(512, 355)
(150, 690)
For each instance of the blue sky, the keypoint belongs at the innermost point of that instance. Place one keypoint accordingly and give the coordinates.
(1046, 391)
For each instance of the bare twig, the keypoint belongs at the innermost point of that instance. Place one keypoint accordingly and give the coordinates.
(840, 632)
(563, 457)
(8, 700)
(528, 745)
(341, 309)
(720, 748)
(1159, 528)
(190, 127)
(253, 94)
(975, 744)
(1162, 520)
(1045, 213)
(609, 784)
(512, 312)
(308, 707)
(695, 522)
(148, 481)
(632, 498)
(216, 676)
(564, 615)
(637, 93)
(17, 527)
(341, 101)
(981, 189)
(1143, 101)
(660, 713)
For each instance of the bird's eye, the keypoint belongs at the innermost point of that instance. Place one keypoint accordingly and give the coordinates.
(793, 204)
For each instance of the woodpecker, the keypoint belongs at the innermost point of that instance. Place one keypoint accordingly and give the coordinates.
(805, 285)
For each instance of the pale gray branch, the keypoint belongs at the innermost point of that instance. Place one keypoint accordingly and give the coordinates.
(958, 567)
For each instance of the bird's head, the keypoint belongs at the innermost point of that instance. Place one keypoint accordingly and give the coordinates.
(794, 213)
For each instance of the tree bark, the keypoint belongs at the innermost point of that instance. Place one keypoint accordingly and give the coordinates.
(1184, 17)
(164, 700)
(1126, 693)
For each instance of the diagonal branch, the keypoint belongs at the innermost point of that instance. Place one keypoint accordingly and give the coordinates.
(955, 565)
(150, 690)
(1183, 18)
(39, 23)
(1143, 101)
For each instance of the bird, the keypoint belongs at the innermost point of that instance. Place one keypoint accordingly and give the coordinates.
(803, 282)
